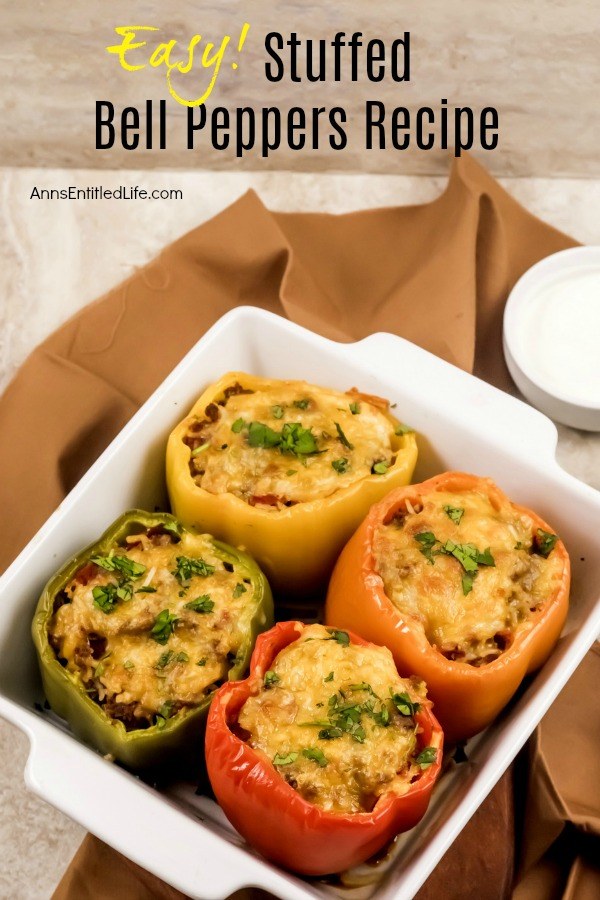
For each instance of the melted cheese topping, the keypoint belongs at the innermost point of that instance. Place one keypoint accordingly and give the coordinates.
(326, 718)
(468, 619)
(224, 460)
(138, 675)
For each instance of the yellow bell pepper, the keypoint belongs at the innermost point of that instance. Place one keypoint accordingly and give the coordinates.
(296, 545)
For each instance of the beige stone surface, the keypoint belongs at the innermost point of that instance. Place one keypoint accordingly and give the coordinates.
(537, 62)
(55, 256)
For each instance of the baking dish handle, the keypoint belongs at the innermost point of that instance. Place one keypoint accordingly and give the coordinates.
(62, 771)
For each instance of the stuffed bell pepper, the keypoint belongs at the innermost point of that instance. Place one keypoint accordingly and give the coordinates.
(135, 634)
(467, 589)
(324, 753)
(285, 469)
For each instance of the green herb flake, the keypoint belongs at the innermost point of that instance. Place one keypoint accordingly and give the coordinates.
(302, 404)
(330, 733)
(404, 704)
(105, 597)
(164, 659)
(202, 662)
(544, 542)
(427, 540)
(238, 590)
(271, 678)
(315, 754)
(380, 468)
(182, 657)
(237, 426)
(284, 759)
(277, 412)
(297, 440)
(164, 626)
(127, 567)
(343, 437)
(341, 465)
(165, 712)
(403, 429)
(329, 677)
(467, 583)
(454, 512)
(146, 590)
(354, 408)
(291, 472)
(201, 604)
(128, 664)
(426, 757)
(341, 637)
(260, 435)
(188, 568)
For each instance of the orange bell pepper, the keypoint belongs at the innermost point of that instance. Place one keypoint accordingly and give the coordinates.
(466, 698)
(275, 818)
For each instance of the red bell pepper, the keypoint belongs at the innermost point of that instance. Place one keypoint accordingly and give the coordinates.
(275, 818)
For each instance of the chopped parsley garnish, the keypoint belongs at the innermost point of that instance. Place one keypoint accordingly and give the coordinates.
(354, 408)
(187, 568)
(277, 412)
(284, 760)
(380, 468)
(297, 440)
(291, 472)
(127, 567)
(164, 626)
(182, 657)
(202, 662)
(201, 604)
(301, 404)
(315, 754)
(454, 512)
(467, 555)
(544, 542)
(146, 590)
(164, 659)
(329, 677)
(341, 465)
(271, 678)
(237, 426)
(343, 437)
(403, 429)
(427, 540)
(260, 435)
(404, 705)
(164, 713)
(426, 757)
(128, 664)
(467, 583)
(107, 596)
(341, 637)
(330, 733)
(238, 590)
(293, 438)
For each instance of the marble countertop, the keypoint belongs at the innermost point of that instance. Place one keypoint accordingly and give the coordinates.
(56, 256)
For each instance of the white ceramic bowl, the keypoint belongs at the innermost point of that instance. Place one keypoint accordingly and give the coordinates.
(462, 423)
(544, 392)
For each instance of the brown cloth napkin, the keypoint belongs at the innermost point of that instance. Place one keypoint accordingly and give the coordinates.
(437, 274)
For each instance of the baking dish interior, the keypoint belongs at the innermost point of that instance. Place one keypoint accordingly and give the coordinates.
(461, 424)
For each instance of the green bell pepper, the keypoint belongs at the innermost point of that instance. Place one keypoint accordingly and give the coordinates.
(181, 735)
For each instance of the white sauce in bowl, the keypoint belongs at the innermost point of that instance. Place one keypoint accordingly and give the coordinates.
(560, 334)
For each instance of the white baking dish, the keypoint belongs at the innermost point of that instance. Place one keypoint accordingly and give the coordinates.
(465, 424)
